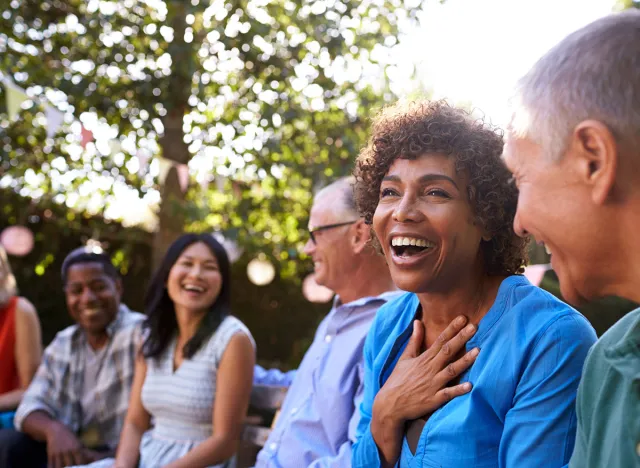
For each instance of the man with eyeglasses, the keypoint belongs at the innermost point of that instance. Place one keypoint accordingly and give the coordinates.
(320, 413)
(74, 409)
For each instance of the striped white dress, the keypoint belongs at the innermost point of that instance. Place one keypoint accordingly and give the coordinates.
(181, 402)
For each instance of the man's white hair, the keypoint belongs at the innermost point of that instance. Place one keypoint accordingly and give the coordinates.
(343, 189)
(594, 73)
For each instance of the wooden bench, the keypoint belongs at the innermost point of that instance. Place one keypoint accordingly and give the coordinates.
(264, 408)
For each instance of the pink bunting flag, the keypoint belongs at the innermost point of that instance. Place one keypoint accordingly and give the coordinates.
(183, 176)
(535, 273)
(86, 137)
(143, 161)
(164, 166)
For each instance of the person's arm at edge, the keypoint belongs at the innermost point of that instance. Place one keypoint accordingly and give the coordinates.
(136, 422)
(275, 377)
(233, 389)
(28, 352)
(36, 415)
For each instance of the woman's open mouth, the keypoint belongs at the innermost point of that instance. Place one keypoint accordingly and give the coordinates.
(193, 290)
(408, 247)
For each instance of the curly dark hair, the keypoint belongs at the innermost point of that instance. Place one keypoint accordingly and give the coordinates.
(410, 130)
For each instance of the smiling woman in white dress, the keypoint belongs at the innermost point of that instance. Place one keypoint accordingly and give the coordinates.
(193, 376)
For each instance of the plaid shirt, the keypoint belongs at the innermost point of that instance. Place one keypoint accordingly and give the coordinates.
(57, 386)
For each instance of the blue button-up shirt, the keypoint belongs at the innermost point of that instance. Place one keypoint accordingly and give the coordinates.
(319, 416)
(520, 412)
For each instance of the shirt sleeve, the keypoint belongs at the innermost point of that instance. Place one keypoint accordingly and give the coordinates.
(262, 376)
(540, 427)
(365, 451)
(41, 393)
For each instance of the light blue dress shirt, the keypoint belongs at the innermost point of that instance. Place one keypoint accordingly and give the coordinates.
(319, 415)
(521, 410)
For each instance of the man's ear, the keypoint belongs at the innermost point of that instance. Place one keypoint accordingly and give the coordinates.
(593, 153)
(361, 236)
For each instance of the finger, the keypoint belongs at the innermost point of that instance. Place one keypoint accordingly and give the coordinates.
(80, 457)
(415, 342)
(457, 368)
(452, 329)
(449, 393)
(452, 347)
(56, 460)
(68, 459)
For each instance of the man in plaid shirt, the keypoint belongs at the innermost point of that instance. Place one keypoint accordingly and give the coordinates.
(73, 411)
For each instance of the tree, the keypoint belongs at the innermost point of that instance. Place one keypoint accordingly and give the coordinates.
(270, 97)
(624, 4)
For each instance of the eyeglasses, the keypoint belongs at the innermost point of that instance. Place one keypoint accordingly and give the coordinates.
(325, 227)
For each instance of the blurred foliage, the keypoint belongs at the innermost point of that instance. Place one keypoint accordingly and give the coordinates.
(281, 320)
(624, 4)
(58, 230)
(266, 99)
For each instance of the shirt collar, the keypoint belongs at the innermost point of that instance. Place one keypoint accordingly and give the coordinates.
(385, 296)
(112, 328)
(625, 354)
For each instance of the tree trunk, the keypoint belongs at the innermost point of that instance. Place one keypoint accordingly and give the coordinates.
(172, 204)
(171, 216)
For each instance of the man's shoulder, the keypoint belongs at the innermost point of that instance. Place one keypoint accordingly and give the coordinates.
(128, 320)
(64, 336)
(132, 318)
(618, 331)
(597, 361)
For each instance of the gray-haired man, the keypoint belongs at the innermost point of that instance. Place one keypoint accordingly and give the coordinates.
(574, 149)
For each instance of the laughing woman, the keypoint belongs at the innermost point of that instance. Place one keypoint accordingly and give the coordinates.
(474, 366)
(195, 370)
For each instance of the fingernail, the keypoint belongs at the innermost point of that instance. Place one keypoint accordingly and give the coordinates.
(466, 386)
(460, 320)
(469, 328)
(475, 352)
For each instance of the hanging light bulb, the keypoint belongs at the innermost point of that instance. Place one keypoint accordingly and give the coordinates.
(260, 271)
(17, 240)
(313, 292)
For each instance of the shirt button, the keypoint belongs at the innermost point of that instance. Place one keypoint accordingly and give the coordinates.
(294, 410)
(273, 446)
(327, 338)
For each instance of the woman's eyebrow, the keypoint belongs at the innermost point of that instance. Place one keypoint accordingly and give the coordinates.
(425, 178)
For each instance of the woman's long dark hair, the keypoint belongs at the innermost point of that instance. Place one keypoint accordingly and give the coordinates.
(161, 324)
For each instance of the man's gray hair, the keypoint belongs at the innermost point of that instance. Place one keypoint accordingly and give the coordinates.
(344, 186)
(594, 73)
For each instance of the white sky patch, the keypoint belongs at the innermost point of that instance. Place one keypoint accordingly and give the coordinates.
(473, 52)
